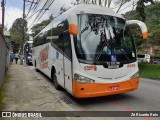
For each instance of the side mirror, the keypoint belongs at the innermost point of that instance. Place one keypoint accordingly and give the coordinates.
(142, 25)
(73, 25)
(73, 29)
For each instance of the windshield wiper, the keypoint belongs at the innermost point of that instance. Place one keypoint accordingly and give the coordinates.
(100, 52)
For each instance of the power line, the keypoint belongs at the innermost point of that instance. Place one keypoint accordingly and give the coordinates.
(33, 2)
(45, 11)
(43, 8)
(36, 5)
(30, 8)
(34, 14)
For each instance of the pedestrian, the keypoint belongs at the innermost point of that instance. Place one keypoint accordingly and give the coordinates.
(16, 57)
(11, 58)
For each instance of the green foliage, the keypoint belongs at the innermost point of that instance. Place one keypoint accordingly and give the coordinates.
(150, 71)
(39, 26)
(152, 14)
(18, 25)
(141, 8)
(137, 35)
(16, 32)
(2, 92)
(1, 98)
(15, 35)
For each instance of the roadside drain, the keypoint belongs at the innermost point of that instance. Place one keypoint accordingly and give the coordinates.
(66, 100)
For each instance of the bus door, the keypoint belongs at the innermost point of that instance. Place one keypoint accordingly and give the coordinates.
(60, 60)
(67, 61)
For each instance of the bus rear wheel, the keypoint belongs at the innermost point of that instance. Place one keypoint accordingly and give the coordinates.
(36, 67)
(54, 79)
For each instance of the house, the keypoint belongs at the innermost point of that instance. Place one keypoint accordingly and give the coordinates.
(153, 51)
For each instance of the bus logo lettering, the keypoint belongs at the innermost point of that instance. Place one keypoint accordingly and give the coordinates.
(90, 67)
(130, 65)
(43, 57)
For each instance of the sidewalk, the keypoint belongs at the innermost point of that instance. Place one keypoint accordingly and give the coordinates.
(25, 92)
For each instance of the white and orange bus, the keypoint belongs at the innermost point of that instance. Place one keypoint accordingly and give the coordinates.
(89, 51)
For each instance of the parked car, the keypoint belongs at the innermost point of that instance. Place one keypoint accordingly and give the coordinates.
(157, 61)
(143, 58)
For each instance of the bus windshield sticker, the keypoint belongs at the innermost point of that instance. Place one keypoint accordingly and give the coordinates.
(133, 54)
(113, 58)
(93, 67)
(57, 54)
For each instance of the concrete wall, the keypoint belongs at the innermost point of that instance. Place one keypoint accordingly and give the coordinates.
(4, 58)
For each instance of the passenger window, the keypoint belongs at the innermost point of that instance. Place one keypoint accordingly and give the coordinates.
(67, 44)
(57, 33)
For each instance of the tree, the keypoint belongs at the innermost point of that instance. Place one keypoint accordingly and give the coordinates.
(152, 20)
(18, 25)
(141, 8)
(16, 32)
(39, 26)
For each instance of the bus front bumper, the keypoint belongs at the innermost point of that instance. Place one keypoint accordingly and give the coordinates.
(81, 90)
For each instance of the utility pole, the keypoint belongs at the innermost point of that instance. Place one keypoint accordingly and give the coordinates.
(23, 35)
(23, 31)
(3, 10)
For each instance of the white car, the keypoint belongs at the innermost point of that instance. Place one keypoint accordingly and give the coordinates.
(157, 61)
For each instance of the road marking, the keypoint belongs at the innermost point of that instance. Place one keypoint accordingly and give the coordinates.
(122, 106)
(128, 109)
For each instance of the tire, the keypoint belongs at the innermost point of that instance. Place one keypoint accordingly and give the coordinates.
(36, 67)
(54, 79)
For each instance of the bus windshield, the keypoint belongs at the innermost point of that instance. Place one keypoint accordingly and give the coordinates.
(103, 38)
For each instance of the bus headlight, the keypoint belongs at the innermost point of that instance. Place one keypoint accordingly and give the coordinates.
(82, 79)
(135, 75)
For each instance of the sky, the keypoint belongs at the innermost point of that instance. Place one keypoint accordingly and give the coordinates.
(14, 10)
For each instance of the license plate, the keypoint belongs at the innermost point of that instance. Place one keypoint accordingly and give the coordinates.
(113, 88)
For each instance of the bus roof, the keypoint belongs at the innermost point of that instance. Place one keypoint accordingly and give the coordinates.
(92, 9)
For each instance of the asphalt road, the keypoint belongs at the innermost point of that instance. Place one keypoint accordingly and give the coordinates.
(145, 98)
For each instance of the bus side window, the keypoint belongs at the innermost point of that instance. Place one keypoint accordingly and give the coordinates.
(67, 44)
(60, 41)
(57, 33)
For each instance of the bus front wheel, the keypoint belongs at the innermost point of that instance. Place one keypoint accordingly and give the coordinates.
(54, 79)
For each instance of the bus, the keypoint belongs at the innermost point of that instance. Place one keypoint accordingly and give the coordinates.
(28, 52)
(144, 58)
(89, 52)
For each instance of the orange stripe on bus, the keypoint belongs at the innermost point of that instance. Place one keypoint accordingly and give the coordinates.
(81, 90)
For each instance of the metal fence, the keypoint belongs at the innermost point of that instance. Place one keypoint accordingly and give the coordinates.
(4, 58)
